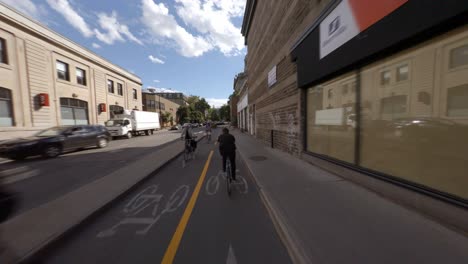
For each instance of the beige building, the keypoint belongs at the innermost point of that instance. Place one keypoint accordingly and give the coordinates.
(153, 102)
(48, 80)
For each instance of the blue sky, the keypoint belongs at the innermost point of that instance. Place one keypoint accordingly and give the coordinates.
(193, 46)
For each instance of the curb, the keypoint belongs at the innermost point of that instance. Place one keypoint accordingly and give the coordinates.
(288, 237)
(37, 251)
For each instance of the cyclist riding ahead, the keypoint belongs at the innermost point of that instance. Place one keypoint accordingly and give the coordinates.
(187, 134)
(227, 148)
(208, 131)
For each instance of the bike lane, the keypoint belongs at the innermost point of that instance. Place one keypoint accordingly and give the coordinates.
(140, 226)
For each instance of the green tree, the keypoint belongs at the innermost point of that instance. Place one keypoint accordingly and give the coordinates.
(196, 116)
(225, 112)
(183, 114)
(201, 105)
(213, 114)
(191, 100)
(165, 117)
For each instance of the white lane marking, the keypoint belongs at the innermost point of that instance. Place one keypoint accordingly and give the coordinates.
(9, 172)
(231, 257)
(212, 184)
(3, 161)
(17, 174)
(142, 201)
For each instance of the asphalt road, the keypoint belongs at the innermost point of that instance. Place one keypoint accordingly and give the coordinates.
(164, 219)
(38, 181)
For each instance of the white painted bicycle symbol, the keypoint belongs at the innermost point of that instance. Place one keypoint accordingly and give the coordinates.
(212, 185)
(144, 201)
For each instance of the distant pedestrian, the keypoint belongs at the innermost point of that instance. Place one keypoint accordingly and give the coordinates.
(227, 149)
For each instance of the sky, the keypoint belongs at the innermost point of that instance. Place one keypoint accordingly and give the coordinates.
(191, 46)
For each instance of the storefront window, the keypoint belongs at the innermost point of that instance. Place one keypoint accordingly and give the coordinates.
(419, 131)
(331, 119)
(74, 111)
(6, 113)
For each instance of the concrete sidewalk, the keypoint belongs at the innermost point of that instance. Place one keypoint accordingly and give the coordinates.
(29, 232)
(323, 218)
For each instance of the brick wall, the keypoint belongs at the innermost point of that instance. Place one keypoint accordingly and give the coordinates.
(274, 29)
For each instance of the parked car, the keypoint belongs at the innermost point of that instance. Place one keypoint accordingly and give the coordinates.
(52, 142)
(186, 125)
(175, 127)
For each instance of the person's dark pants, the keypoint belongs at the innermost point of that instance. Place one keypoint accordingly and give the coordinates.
(232, 158)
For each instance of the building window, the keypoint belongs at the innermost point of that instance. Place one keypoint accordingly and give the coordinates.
(110, 86)
(115, 110)
(62, 71)
(81, 76)
(385, 78)
(3, 52)
(402, 73)
(6, 108)
(135, 95)
(74, 111)
(457, 101)
(330, 94)
(353, 87)
(345, 89)
(393, 107)
(163, 106)
(119, 89)
(459, 56)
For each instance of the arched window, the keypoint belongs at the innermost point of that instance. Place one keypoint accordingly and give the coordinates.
(6, 108)
(115, 110)
(74, 111)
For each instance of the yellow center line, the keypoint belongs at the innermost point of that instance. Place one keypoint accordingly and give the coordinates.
(177, 237)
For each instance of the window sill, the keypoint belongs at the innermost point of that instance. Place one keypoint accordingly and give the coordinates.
(71, 84)
(116, 95)
(6, 66)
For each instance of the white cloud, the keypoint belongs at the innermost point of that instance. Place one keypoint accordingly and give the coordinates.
(96, 46)
(212, 18)
(114, 30)
(24, 6)
(71, 16)
(155, 60)
(163, 25)
(156, 81)
(162, 90)
(216, 102)
(27, 7)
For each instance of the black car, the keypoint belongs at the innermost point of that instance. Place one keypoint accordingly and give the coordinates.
(52, 142)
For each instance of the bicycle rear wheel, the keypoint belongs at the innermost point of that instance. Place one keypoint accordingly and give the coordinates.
(228, 177)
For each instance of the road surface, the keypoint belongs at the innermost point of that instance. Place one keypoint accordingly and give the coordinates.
(167, 219)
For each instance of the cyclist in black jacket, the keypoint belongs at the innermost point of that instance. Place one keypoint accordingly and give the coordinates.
(227, 148)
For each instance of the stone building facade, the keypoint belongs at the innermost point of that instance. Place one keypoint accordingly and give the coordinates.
(47, 80)
(153, 102)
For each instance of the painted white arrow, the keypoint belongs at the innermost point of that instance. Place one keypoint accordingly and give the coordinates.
(231, 257)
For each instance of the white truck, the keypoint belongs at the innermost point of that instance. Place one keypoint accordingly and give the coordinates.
(133, 122)
(336, 117)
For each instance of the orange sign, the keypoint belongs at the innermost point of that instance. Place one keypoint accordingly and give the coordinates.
(368, 12)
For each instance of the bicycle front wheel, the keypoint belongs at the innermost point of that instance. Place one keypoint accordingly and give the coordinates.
(228, 178)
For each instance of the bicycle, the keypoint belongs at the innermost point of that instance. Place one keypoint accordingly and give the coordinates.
(208, 136)
(229, 178)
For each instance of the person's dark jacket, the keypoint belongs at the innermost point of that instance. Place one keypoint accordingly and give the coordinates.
(227, 143)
